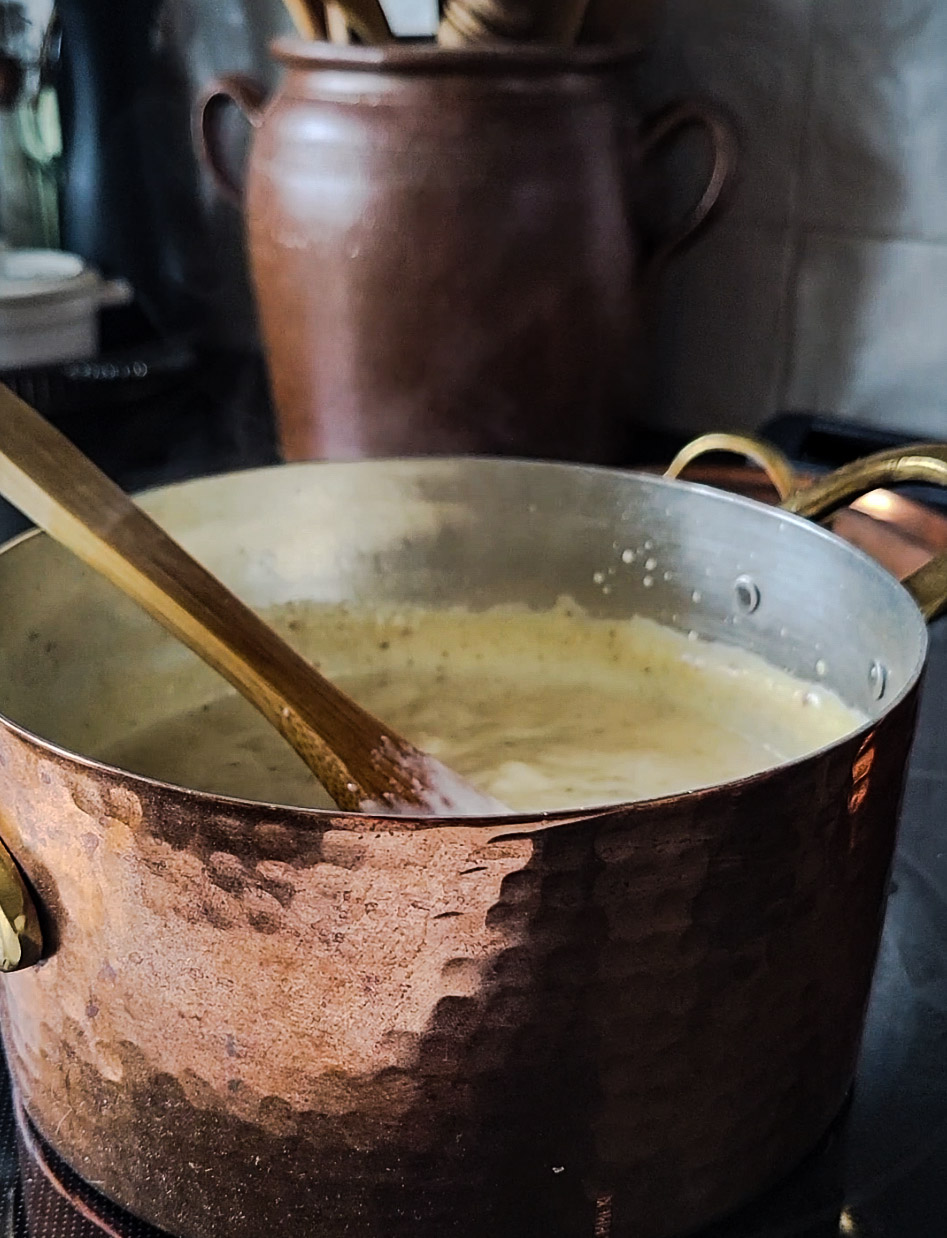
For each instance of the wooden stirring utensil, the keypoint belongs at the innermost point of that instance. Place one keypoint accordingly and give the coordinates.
(364, 18)
(532, 21)
(307, 18)
(363, 764)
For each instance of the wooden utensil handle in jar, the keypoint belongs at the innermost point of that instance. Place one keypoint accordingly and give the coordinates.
(483, 21)
(367, 19)
(479, 21)
(307, 18)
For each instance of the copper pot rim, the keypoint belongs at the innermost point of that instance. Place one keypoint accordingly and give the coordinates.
(499, 59)
(508, 825)
(516, 822)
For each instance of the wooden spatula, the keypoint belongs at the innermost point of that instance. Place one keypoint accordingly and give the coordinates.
(363, 764)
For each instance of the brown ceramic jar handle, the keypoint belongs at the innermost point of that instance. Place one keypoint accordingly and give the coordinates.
(664, 128)
(232, 90)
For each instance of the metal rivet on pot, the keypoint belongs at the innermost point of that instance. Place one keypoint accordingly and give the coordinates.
(877, 680)
(748, 594)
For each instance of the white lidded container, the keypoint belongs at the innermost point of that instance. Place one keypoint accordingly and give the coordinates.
(49, 307)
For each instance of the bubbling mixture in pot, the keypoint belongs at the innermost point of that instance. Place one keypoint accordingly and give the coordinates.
(541, 710)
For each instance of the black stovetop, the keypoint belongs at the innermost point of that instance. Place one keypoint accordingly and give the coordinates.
(882, 1171)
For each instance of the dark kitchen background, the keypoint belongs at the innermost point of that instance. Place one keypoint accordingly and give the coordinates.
(812, 309)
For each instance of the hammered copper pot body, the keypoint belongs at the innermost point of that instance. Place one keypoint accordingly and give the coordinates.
(258, 1019)
(444, 248)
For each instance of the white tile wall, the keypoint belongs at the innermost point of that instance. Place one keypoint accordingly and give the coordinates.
(876, 149)
(825, 286)
(703, 49)
(722, 309)
(870, 332)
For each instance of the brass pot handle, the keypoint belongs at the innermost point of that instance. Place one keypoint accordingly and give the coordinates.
(770, 459)
(918, 462)
(21, 938)
(896, 466)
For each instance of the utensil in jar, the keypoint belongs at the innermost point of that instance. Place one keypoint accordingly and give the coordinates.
(480, 21)
(363, 764)
(337, 27)
(477, 21)
(307, 19)
(364, 18)
(337, 18)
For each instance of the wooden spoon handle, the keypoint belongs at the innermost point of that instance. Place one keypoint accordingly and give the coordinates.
(63, 492)
(337, 27)
(366, 18)
(483, 21)
(306, 18)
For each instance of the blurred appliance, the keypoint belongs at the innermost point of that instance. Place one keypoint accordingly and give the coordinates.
(49, 307)
(135, 203)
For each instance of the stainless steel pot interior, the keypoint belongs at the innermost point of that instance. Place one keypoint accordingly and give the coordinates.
(80, 664)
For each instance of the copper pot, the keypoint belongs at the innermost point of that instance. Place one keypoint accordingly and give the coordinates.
(624, 1021)
(444, 248)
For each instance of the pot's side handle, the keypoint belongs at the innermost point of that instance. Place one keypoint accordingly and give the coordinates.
(770, 459)
(232, 90)
(919, 462)
(660, 130)
(21, 938)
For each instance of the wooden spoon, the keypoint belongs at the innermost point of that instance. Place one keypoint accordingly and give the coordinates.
(363, 764)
